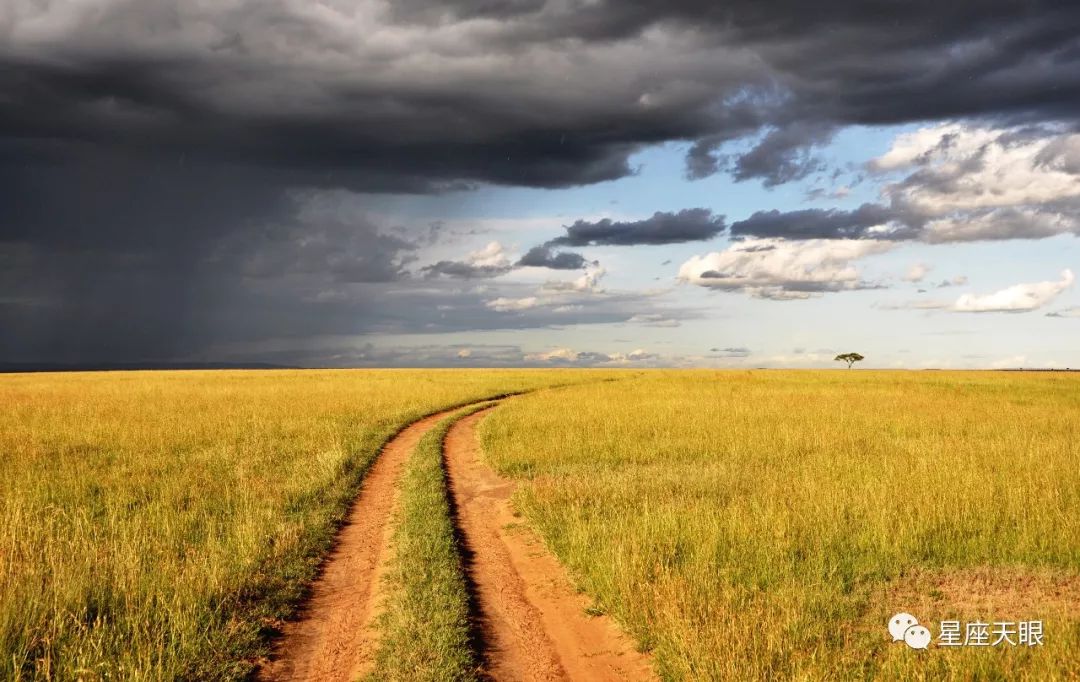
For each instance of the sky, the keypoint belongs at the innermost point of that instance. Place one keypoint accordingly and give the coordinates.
(550, 183)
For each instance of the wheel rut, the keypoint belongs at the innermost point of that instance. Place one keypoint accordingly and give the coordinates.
(334, 639)
(531, 622)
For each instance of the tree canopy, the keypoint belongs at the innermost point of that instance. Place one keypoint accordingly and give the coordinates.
(849, 358)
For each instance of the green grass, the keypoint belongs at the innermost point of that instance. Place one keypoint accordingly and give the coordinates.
(154, 524)
(425, 631)
(765, 525)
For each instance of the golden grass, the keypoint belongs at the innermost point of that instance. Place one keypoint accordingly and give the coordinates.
(765, 525)
(741, 524)
(153, 524)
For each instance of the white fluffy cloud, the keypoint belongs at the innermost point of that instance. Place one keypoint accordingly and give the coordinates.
(558, 294)
(490, 261)
(1015, 299)
(492, 256)
(555, 355)
(917, 272)
(505, 305)
(969, 183)
(965, 167)
(780, 269)
(589, 282)
(570, 356)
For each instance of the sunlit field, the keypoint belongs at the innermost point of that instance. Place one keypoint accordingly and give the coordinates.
(153, 523)
(765, 525)
(738, 524)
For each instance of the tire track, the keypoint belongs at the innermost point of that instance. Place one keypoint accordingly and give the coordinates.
(334, 639)
(531, 622)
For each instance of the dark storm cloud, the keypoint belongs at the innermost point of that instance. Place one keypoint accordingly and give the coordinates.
(335, 250)
(692, 224)
(426, 11)
(275, 83)
(817, 223)
(150, 149)
(783, 155)
(543, 256)
(463, 270)
(424, 355)
(144, 292)
(688, 225)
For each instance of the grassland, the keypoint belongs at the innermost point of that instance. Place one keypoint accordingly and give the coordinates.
(740, 525)
(765, 525)
(153, 525)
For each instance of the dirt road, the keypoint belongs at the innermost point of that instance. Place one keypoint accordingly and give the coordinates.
(532, 623)
(334, 638)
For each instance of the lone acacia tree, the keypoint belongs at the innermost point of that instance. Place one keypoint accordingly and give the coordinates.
(849, 358)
